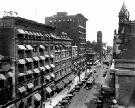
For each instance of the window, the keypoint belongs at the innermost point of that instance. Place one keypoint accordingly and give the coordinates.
(20, 54)
(51, 47)
(35, 48)
(36, 82)
(46, 48)
(20, 68)
(28, 53)
(20, 36)
(41, 63)
(28, 66)
(2, 83)
(35, 64)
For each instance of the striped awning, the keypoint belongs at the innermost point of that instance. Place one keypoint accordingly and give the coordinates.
(10, 74)
(47, 56)
(52, 75)
(36, 58)
(37, 96)
(41, 46)
(47, 67)
(21, 61)
(21, 47)
(52, 56)
(29, 59)
(60, 85)
(48, 77)
(42, 68)
(52, 65)
(29, 47)
(48, 89)
(2, 77)
(36, 70)
(22, 89)
(21, 31)
(42, 57)
(29, 72)
(71, 77)
(66, 80)
(30, 85)
(21, 74)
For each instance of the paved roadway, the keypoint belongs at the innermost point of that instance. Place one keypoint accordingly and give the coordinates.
(86, 98)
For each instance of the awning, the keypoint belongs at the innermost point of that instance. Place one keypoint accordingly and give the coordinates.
(2, 77)
(11, 106)
(52, 56)
(21, 61)
(66, 81)
(42, 57)
(22, 89)
(60, 85)
(29, 72)
(30, 85)
(71, 77)
(31, 33)
(21, 47)
(48, 77)
(41, 46)
(42, 68)
(56, 46)
(28, 33)
(36, 70)
(47, 56)
(47, 67)
(36, 58)
(10, 74)
(29, 59)
(37, 96)
(20, 31)
(29, 47)
(21, 74)
(48, 89)
(52, 75)
(52, 65)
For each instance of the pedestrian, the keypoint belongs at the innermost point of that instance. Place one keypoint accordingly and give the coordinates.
(50, 101)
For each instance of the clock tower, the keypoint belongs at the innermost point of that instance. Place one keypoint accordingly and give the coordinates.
(123, 14)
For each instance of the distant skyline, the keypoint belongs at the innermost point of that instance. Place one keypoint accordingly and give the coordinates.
(102, 15)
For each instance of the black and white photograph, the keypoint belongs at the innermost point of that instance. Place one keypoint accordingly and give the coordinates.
(67, 54)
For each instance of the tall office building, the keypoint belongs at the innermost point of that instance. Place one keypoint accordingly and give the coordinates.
(99, 44)
(75, 27)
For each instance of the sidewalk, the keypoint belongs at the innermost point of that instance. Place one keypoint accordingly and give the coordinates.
(62, 94)
(58, 97)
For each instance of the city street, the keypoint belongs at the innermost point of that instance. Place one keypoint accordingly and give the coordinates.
(86, 98)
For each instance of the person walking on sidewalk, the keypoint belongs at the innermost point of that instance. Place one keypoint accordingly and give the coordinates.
(50, 101)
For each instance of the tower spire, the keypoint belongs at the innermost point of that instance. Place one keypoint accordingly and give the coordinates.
(124, 14)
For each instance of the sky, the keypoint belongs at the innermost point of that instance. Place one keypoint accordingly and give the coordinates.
(102, 15)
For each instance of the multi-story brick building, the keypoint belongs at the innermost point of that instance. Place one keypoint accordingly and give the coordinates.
(63, 60)
(27, 63)
(75, 27)
(34, 63)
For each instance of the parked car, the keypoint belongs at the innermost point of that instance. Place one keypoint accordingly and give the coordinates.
(90, 83)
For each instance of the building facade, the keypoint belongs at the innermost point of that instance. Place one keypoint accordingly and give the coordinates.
(99, 44)
(63, 62)
(124, 55)
(34, 63)
(75, 27)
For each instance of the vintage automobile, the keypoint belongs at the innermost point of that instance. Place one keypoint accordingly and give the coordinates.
(90, 83)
